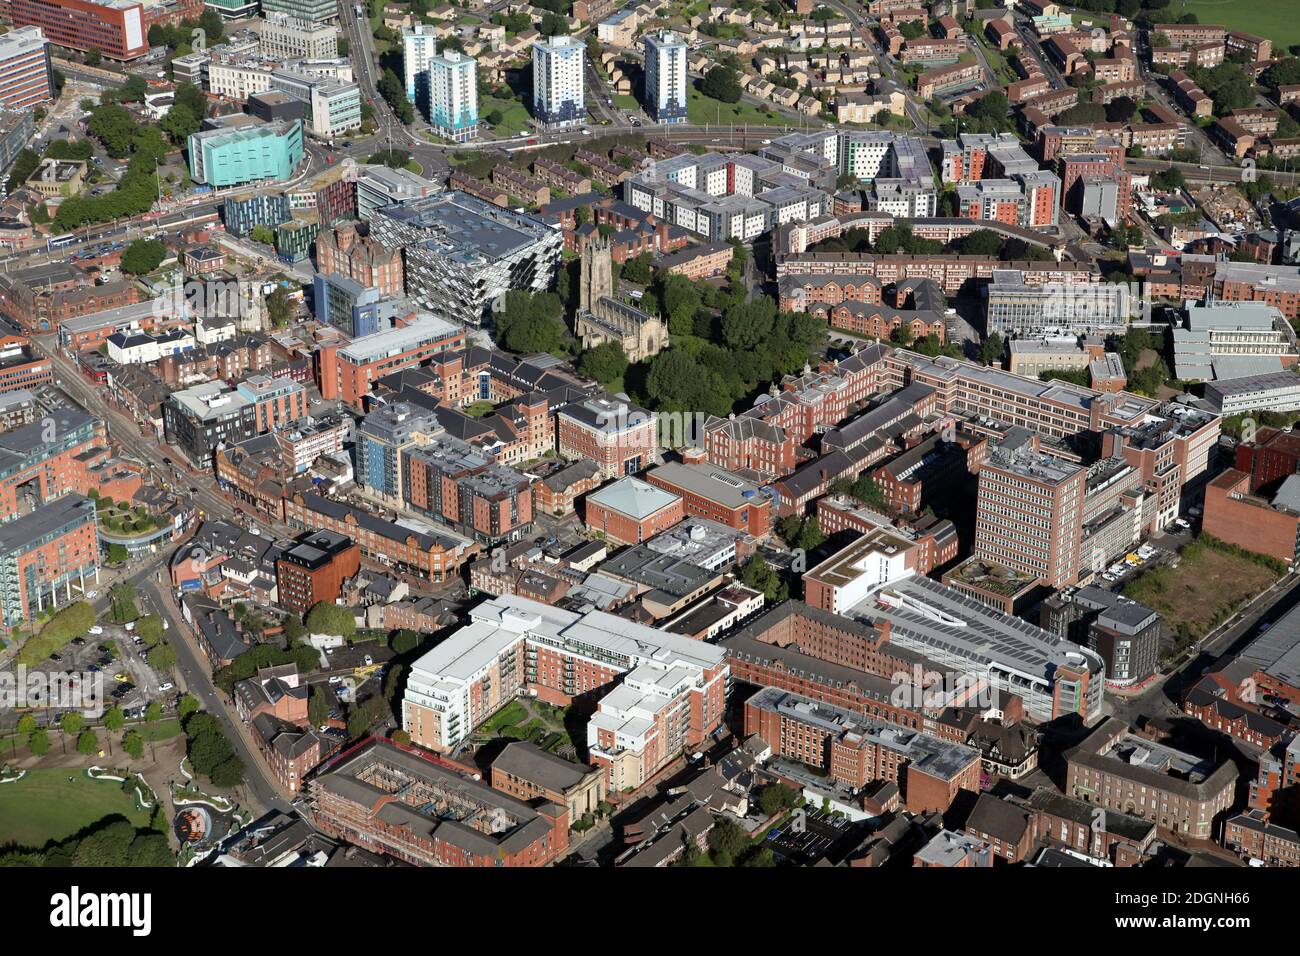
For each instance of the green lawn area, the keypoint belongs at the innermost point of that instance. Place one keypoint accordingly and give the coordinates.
(1209, 583)
(479, 409)
(514, 115)
(509, 715)
(159, 731)
(1278, 20)
(414, 166)
(626, 101)
(701, 110)
(44, 806)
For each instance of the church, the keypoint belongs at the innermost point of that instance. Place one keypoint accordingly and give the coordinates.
(603, 318)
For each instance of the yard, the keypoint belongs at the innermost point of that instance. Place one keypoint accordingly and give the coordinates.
(533, 720)
(46, 805)
(1277, 21)
(1209, 584)
(514, 118)
(703, 110)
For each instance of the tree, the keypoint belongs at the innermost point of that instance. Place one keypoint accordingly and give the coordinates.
(188, 706)
(88, 742)
(26, 725)
(143, 256)
(811, 537)
(721, 83)
(229, 773)
(401, 737)
(990, 350)
(553, 25)
(114, 719)
(180, 123)
(1121, 109)
(39, 742)
(981, 242)
(113, 126)
(327, 617)
(263, 234)
(605, 363)
(761, 576)
(727, 840)
(150, 850)
(117, 554)
(318, 706)
(162, 657)
(149, 629)
(72, 722)
(279, 307)
(153, 713)
(776, 797)
(1083, 114)
(106, 846)
(121, 598)
(133, 744)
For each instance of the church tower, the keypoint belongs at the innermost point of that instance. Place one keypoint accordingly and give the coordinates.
(597, 272)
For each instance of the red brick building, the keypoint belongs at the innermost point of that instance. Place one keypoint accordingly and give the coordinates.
(314, 568)
(708, 491)
(630, 511)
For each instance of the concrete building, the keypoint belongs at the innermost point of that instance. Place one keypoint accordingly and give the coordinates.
(229, 157)
(559, 69)
(333, 106)
(419, 45)
(1028, 514)
(463, 254)
(286, 37)
(26, 80)
(670, 694)
(453, 96)
(49, 558)
(1015, 307)
(665, 77)
(1177, 791)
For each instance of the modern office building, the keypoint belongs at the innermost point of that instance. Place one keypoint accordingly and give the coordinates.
(241, 216)
(333, 106)
(116, 28)
(666, 84)
(1123, 632)
(559, 65)
(1017, 308)
(453, 96)
(229, 157)
(1028, 514)
(464, 254)
(39, 464)
(419, 46)
(25, 77)
(48, 558)
(286, 37)
(346, 371)
(313, 569)
(669, 693)
(313, 11)
(382, 186)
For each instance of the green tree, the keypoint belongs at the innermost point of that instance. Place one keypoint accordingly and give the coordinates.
(162, 656)
(188, 706)
(180, 123)
(229, 773)
(114, 719)
(776, 797)
(72, 723)
(327, 617)
(88, 742)
(105, 847)
(143, 256)
(990, 350)
(150, 850)
(154, 712)
(721, 83)
(133, 744)
(149, 629)
(604, 364)
(39, 742)
(26, 724)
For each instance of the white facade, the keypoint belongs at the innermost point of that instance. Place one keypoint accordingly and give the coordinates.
(665, 78)
(453, 96)
(418, 44)
(559, 63)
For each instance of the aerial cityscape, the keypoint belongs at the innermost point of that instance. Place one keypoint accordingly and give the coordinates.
(650, 434)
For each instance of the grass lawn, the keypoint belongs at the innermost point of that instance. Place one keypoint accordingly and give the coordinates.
(159, 731)
(514, 116)
(479, 409)
(509, 715)
(626, 101)
(702, 110)
(415, 167)
(1202, 592)
(44, 806)
(1277, 21)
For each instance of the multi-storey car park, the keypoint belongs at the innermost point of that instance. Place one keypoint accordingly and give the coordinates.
(464, 254)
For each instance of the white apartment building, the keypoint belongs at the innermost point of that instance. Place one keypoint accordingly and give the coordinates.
(419, 44)
(559, 63)
(665, 77)
(453, 96)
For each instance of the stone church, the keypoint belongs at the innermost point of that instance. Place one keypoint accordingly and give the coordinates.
(603, 318)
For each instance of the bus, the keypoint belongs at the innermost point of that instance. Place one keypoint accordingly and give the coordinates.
(57, 242)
